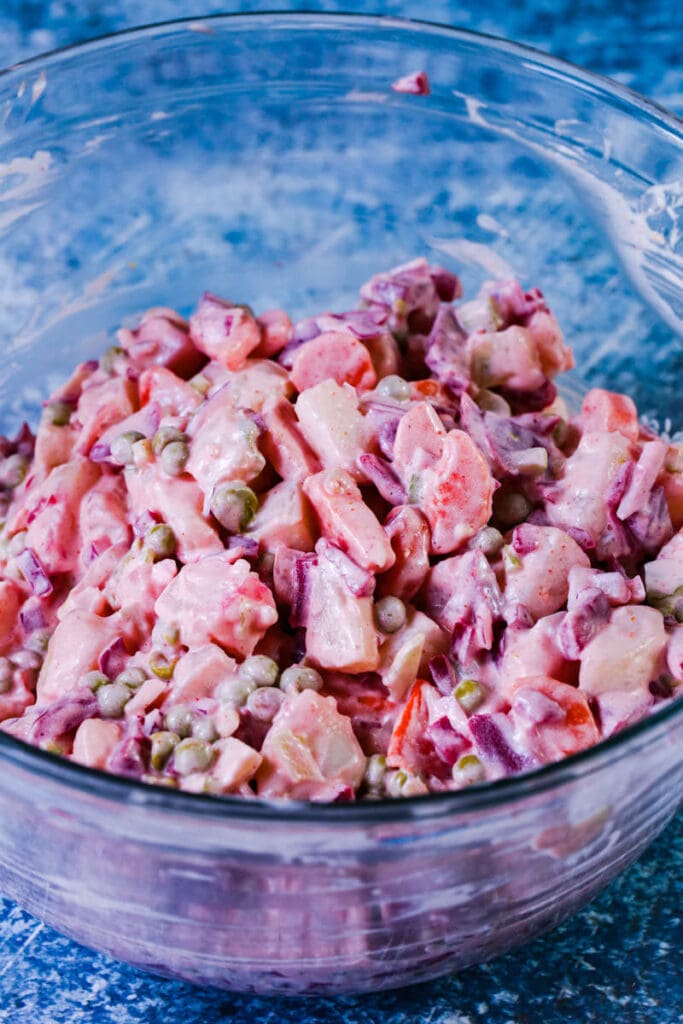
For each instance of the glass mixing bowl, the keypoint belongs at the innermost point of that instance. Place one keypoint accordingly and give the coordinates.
(267, 158)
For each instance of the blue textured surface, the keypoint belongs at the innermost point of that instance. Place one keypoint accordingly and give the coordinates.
(617, 960)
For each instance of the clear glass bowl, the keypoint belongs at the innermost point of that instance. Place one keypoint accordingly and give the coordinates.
(266, 158)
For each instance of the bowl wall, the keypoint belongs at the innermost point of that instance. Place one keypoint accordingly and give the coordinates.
(267, 159)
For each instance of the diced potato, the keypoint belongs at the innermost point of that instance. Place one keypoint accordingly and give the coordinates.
(331, 423)
(218, 600)
(626, 654)
(538, 578)
(346, 521)
(310, 750)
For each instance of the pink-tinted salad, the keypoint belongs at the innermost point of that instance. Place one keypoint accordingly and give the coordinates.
(366, 554)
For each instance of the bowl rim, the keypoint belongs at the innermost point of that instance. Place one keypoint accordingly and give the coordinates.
(567, 70)
(123, 790)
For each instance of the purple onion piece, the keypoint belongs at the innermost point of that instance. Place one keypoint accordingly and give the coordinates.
(360, 582)
(91, 553)
(363, 323)
(619, 484)
(447, 742)
(582, 537)
(64, 716)
(153, 721)
(514, 305)
(443, 674)
(34, 572)
(248, 545)
(113, 658)
(652, 526)
(32, 616)
(518, 616)
(130, 756)
(445, 355)
(383, 477)
(144, 523)
(578, 627)
(475, 607)
(524, 540)
(303, 331)
(493, 745)
(447, 284)
(24, 442)
(530, 401)
(302, 586)
(99, 452)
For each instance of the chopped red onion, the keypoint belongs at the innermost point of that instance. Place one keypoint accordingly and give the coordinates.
(99, 452)
(360, 582)
(301, 589)
(32, 616)
(34, 573)
(651, 526)
(446, 356)
(130, 756)
(113, 658)
(383, 477)
(64, 716)
(364, 323)
(447, 284)
(447, 742)
(249, 546)
(493, 745)
(144, 523)
(590, 612)
(443, 674)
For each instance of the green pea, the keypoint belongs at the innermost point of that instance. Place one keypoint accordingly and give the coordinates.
(489, 541)
(133, 678)
(160, 665)
(163, 745)
(161, 541)
(142, 452)
(121, 447)
(38, 640)
(390, 614)
(511, 507)
(192, 755)
(164, 436)
(468, 770)
(396, 782)
(393, 386)
(470, 695)
(110, 357)
(234, 505)
(375, 771)
(179, 720)
(235, 691)
(112, 699)
(264, 703)
(261, 670)
(174, 457)
(204, 729)
(94, 680)
(297, 678)
(201, 384)
(58, 413)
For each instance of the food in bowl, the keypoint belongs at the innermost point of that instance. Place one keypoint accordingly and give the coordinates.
(367, 554)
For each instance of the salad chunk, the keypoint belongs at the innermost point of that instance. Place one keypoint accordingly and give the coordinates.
(367, 554)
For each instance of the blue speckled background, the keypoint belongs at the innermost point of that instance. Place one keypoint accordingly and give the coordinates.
(620, 959)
